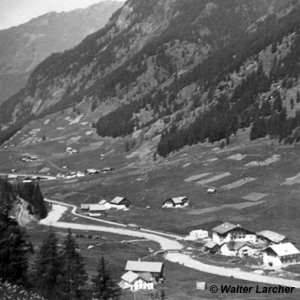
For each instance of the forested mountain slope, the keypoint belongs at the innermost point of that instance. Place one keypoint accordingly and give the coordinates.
(186, 69)
(23, 47)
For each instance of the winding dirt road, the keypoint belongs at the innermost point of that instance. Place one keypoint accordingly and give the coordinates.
(167, 242)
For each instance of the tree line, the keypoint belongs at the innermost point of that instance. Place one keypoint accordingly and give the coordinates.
(55, 272)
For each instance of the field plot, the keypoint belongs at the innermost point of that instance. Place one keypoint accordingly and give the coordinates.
(196, 177)
(214, 178)
(266, 162)
(238, 183)
(237, 157)
(237, 206)
(292, 180)
(255, 196)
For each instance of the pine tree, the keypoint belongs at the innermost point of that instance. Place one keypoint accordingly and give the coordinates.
(13, 245)
(104, 288)
(47, 267)
(74, 274)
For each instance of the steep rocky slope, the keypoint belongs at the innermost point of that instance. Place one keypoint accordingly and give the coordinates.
(160, 67)
(23, 47)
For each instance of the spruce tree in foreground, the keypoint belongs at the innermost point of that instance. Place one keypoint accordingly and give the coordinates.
(13, 245)
(47, 268)
(73, 273)
(104, 288)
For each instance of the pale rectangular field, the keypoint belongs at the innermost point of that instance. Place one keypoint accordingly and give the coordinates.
(238, 183)
(237, 206)
(292, 180)
(196, 177)
(255, 196)
(214, 178)
(237, 157)
(266, 162)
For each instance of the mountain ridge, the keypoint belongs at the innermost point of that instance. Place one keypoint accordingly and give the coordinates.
(153, 72)
(22, 47)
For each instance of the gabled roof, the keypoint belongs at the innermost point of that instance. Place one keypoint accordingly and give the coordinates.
(117, 200)
(144, 266)
(211, 245)
(284, 249)
(130, 277)
(177, 200)
(236, 245)
(272, 236)
(224, 228)
(97, 207)
(146, 277)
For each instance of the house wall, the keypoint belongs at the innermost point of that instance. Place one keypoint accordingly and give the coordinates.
(142, 285)
(168, 204)
(236, 236)
(121, 207)
(224, 250)
(271, 261)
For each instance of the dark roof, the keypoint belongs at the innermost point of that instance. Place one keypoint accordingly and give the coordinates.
(272, 236)
(211, 245)
(177, 200)
(224, 228)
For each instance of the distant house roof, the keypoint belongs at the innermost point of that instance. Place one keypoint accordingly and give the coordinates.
(224, 228)
(97, 207)
(117, 200)
(144, 266)
(177, 200)
(272, 236)
(130, 277)
(284, 249)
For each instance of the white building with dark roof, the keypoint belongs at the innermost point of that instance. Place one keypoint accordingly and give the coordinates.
(176, 202)
(139, 267)
(120, 203)
(135, 282)
(228, 232)
(280, 255)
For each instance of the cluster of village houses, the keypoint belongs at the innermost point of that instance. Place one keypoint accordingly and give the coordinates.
(233, 240)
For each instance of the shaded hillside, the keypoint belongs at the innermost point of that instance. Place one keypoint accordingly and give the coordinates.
(23, 47)
(166, 65)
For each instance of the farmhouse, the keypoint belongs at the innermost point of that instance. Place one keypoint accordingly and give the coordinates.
(96, 209)
(139, 267)
(176, 202)
(120, 203)
(92, 171)
(280, 255)
(239, 249)
(228, 232)
(134, 282)
(271, 237)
